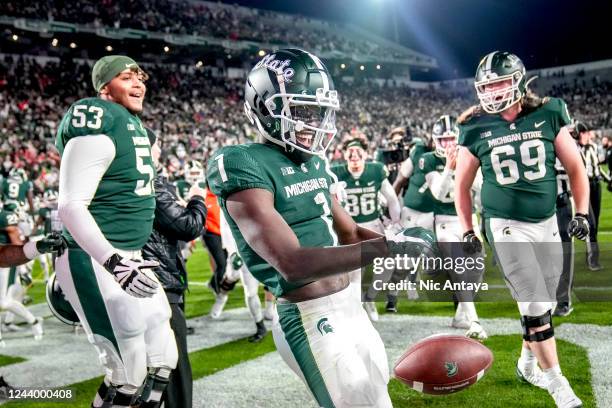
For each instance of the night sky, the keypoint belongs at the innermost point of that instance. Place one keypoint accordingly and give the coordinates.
(459, 32)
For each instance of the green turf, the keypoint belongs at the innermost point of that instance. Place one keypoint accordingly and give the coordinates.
(7, 360)
(204, 362)
(499, 387)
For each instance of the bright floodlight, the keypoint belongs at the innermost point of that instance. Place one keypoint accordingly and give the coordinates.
(166, 49)
(54, 42)
(109, 48)
(261, 53)
(73, 45)
(15, 37)
(377, 66)
(343, 65)
(361, 67)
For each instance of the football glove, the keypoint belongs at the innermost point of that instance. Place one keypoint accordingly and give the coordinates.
(471, 243)
(414, 242)
(53, 242)
(133, 275)
(579, 226)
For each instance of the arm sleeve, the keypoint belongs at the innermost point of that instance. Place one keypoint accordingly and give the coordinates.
(84, 162)
(182, 223)
(440, 183)
(392, 201)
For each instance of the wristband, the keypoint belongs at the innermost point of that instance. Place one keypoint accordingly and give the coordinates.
(30, 250)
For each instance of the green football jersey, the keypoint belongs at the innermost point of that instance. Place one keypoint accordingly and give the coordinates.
(517, 160)
(7, 219)
(182, 188)
(431, 162)
(15, 191)
(362, 201)
(301, 196)
(124, 202)
(51, 219)
(417, 195)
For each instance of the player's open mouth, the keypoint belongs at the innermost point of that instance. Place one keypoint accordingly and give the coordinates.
(138, 95)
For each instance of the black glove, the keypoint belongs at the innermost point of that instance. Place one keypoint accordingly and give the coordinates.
(53, 242)
(471, 243)
(579, 226)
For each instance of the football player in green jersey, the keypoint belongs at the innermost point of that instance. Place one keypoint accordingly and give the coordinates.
(17, 188)
(439, 169)
(14, 254)
(107, 203)
(417, 210)
(515, 137)
(194, 173)
(295, 237)
(362, 182)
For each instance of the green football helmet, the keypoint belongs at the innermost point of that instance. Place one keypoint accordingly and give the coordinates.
(291, 99)
(444, 128)
(18, 175)
(60, 307)
(496, 68)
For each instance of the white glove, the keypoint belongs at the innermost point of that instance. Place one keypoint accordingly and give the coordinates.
(133, 275)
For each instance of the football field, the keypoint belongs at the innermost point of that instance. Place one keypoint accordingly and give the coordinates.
(230, 372)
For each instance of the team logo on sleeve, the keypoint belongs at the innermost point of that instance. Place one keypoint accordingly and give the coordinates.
(324, 327)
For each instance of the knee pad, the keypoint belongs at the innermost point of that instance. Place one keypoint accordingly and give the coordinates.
(529, 322)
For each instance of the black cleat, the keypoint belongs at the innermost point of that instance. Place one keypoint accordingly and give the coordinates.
(391, 307)
(259, 334)
(4, 389)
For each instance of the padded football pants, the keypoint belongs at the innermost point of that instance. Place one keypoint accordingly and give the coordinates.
(332, 346)
(129, 333)
(530, 255)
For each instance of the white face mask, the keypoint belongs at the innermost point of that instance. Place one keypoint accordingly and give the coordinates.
(500, 99)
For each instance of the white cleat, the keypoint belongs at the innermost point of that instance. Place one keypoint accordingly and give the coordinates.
(460, 323)
(476, 332)
(534, 376)
(562, 393)
(370, 308)
(37, 329)
(413, 294)
(217, 307)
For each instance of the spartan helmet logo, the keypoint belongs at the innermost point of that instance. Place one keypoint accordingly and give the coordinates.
(451, 368)
(324, 327)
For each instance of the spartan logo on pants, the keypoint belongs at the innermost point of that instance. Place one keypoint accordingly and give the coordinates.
(129, 333)
(344, 365)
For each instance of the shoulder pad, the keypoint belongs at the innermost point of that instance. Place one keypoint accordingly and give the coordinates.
(234, 168)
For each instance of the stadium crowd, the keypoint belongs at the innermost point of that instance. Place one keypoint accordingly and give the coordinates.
(195, 113)
(199, 18)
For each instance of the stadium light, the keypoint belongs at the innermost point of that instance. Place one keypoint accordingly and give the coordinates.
(54, 42)
(73, 45)
(166, 49)
(109, 48)
(377, 66)
(261, 53)
(15, 37)
(342, 66)
(199, 64)
(361, 67)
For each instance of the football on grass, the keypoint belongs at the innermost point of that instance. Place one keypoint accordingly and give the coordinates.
(443, 364)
